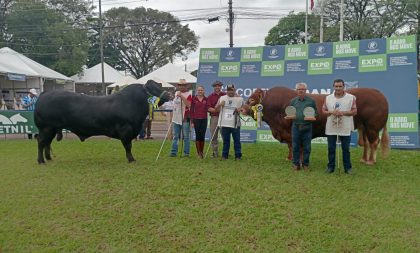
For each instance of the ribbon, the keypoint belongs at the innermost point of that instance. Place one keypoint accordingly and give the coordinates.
(257, 113)
(153, 104)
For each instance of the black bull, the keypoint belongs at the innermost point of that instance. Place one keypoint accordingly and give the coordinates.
(120, 115)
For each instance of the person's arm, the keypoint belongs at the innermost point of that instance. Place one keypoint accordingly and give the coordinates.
(185, 100)
(26, 102)
(353, 110)
(210, 107)
(316, 109)
(220, 104)
(325, 108)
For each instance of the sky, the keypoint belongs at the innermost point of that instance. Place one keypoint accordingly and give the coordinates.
(246, 32)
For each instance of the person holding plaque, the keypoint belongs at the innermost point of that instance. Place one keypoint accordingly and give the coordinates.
(340, 108)
(302, 110)
(229, 106)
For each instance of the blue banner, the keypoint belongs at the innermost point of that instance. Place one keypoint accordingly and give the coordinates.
(389, 65)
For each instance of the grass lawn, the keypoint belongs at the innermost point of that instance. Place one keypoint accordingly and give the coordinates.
(89, 199)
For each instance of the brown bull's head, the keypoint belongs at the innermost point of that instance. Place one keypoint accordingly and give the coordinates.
(256, 98)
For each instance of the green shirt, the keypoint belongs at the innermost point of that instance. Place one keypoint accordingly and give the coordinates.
(301, 104)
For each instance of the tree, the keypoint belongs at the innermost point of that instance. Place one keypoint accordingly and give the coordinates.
(363, 19)
(45, 36)
(145, 39)
(291, 30)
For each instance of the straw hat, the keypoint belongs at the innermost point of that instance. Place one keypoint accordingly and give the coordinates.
(182, 82)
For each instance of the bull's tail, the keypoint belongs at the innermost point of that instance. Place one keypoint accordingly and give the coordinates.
(361, 137)
(59, 135)
(385, 142)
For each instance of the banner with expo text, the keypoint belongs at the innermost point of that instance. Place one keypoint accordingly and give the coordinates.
(386, 64)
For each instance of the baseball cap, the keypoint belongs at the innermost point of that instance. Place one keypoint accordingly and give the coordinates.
(230, 87)
(33, 91)
(217, 83)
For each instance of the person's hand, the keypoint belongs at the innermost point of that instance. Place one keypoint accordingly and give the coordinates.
(222, 103)
(178, 94)
(192, 124)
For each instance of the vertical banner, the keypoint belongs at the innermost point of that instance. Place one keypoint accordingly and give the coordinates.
(387, 64)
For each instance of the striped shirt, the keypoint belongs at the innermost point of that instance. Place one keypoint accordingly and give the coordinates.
(26, 100)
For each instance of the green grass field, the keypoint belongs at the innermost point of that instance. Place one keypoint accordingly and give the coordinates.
(89, 199)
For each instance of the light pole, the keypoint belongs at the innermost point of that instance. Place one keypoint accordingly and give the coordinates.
(101, 48)
(230, 24)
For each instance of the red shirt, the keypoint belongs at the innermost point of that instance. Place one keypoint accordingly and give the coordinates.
(212, 101)
(199, 108)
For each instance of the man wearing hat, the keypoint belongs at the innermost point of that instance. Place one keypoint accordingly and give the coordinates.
(229, 106)
(181, 118)
(28, 103)
(212, 100)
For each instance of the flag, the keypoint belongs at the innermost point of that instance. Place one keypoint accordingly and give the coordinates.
(312, 4)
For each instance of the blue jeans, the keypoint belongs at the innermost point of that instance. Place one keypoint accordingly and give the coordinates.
(177, 135)
(301, 137)
(345, 146)
(236, 134)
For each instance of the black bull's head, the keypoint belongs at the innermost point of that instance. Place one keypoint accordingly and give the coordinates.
(153, 88)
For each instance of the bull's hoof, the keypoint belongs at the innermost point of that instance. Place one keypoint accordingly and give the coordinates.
(363, 161)
(40, 162)
(133, 160)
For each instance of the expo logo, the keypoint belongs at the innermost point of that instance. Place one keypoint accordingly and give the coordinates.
(319, 65)
(229, 68)
(377, 61)
(272, 67)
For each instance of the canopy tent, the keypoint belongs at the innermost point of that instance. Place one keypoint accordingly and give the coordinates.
(158, 80)
(169, 73)
(19, 73)
(126, 80)
(90, 80)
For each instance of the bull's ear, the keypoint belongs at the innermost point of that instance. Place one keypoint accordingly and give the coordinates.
(152, 88)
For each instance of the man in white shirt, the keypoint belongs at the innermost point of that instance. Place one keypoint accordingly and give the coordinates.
(229, 106)
(181, 118)
(340, 108)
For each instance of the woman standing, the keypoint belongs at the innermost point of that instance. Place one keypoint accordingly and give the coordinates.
(199, 117)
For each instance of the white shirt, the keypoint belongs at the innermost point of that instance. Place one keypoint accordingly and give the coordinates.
(339, 125)
(227, 117)
(178, 116)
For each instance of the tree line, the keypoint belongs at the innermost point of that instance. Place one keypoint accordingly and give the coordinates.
(363, 19)
(64, 35)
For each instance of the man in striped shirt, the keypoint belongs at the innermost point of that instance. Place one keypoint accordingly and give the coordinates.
(28, 103)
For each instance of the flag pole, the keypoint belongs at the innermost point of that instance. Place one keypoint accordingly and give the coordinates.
(306, 23)
(342, 20)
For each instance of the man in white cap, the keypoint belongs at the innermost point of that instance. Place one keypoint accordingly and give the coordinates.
(28, 103)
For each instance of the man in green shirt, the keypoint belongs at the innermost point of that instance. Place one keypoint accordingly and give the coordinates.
(302, 127)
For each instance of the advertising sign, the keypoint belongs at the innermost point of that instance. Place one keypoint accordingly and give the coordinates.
(386, 64)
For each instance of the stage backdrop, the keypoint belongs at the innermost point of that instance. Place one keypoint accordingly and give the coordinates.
(389, 65)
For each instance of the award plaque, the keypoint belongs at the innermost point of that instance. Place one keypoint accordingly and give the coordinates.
(309, 113)
(290, 112)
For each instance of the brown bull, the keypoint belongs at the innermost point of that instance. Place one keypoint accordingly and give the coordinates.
(371, 118)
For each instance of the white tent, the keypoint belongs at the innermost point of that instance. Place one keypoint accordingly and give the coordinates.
(90, 80)
(16, 63)
(94, 75)
(169, 74)
(126, 80)
(18, 74)
(158, 80)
